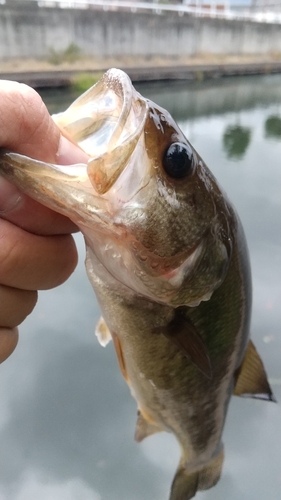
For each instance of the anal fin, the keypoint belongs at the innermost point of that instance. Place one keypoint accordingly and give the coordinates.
(251, 378)
(145, 428)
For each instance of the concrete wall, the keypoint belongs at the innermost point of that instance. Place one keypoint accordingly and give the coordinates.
(30, 31)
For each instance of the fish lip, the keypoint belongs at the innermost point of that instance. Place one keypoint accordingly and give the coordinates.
(109, 156)
(96, 103)
(61, 188)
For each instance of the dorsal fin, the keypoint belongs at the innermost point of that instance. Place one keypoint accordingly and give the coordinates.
(184, 334)
(251, 378)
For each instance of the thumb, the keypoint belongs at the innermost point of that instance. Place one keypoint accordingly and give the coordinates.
(26, 127)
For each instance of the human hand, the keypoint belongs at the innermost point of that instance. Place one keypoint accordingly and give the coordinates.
(37, 251)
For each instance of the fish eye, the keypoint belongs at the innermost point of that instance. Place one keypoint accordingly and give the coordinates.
(178, 160)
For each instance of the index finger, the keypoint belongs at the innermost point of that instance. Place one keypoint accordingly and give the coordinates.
(30, 215)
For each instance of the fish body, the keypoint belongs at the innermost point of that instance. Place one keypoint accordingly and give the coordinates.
(168, 260)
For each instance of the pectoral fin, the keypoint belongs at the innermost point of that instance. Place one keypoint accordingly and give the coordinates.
(104, 336)
(120, 357)
(184, 334)
(145, 428)
(251, 378)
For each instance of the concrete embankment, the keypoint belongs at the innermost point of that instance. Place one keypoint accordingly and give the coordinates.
(146, 45)
(27, 30)
(61, 77)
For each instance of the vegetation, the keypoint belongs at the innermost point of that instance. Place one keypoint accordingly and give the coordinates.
(236, 140)
(273, 127)
(71, 54)
(83, 81)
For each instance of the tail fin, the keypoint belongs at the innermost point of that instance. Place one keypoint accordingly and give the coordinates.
(186, 484)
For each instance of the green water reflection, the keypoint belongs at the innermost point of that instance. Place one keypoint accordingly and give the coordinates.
(272, 127)
(236, 140)
(67, 418)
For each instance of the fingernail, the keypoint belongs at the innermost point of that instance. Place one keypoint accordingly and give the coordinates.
(10, 197)
(68, 153)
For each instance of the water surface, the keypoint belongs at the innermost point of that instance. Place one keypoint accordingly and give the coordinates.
(67, 418)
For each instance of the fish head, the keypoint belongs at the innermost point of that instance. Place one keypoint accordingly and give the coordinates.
(151, 212)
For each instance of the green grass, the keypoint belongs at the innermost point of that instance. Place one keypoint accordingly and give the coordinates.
(71, 54)
(83, 81)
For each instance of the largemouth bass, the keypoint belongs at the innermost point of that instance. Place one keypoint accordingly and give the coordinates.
(168, 260)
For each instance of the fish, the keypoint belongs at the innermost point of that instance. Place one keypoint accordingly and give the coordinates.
(168, 260)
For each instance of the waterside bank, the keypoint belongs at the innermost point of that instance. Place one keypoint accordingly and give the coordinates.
(40, 74)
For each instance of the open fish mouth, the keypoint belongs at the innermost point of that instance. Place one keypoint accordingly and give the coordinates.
(106, 122)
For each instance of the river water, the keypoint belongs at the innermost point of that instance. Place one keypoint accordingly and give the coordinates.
(67, 418)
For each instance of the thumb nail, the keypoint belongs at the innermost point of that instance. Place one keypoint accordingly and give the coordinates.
(69, 153)
(10, 196)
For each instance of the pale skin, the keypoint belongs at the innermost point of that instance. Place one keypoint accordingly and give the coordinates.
(37, 251)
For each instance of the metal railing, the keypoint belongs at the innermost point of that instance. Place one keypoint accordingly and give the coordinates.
(213, 9)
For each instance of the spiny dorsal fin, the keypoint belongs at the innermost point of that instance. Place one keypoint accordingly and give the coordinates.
(251, 378)
(184, 334)
(145, 428)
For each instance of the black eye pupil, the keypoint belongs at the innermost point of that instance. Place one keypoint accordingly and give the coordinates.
(178, 160)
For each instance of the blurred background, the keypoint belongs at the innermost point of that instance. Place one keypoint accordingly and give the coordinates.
(151, 40)
(66, 415)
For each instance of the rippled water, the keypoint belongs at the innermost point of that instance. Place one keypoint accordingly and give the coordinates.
(67, 418)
